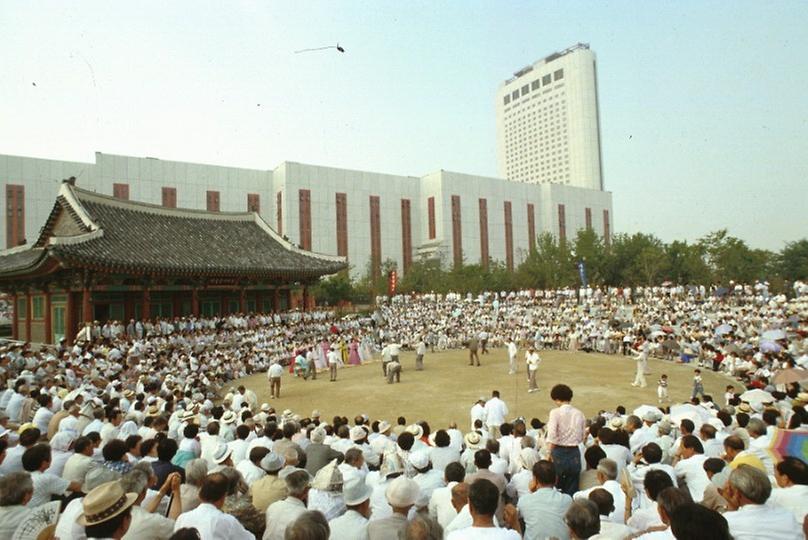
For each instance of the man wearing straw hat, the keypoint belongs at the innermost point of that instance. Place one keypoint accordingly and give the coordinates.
(107, 511)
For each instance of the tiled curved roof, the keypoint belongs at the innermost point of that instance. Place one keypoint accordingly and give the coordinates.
(128, 236)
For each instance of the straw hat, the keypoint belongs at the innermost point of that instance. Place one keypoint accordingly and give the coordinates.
(104, 503)
(402, 492)
(384, 426)
(228, 418)
(472, 440)
(355, 492)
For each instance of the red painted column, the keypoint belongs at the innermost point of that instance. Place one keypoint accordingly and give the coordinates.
(70, 321)
(86, 307)
(28, 316)
(48, 321)
(15, 318)
(305, 297)
(276, 300)
(195, 302)
(145, 312)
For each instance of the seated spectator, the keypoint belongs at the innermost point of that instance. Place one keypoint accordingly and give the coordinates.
(146, 523)
(281, 514)
(644, 519)
(239, 505)
(608, 529)
(691, 521)
(791, 475)
(310, 525)
(746, 493)
(208, 517)
(582, 519)
(16, 489)
(607, 476)
(107, 511)
(484, 497)
(543, 509)
(36, 461)
(353, 524)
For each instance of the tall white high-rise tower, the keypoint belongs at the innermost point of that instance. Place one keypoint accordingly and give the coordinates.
(548, 127)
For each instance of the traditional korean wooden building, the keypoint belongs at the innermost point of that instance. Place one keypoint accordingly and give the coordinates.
(100, 258)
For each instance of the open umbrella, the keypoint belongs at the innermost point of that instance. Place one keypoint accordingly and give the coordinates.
(698, 415)
(789, 442)
(723, 329)
(656, 333)
(643, 409)
(774, 335)
(790, 375)
(757, 396)
(769, 347)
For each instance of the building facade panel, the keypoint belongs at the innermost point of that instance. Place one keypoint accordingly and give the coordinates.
(484, 255)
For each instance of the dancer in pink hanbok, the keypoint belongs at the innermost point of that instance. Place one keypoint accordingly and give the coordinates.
(353, 356)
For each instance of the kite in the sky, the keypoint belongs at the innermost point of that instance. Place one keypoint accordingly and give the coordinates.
(337, 46)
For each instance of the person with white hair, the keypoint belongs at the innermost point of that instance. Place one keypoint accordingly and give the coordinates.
(607, 476)
(282, 513)
(16, 489)
(146, 523)
(195, 472)
(747, 492)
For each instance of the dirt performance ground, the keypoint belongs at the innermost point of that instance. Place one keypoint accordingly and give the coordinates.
(448, 387)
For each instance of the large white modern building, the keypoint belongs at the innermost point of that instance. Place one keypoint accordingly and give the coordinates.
(364, 216)
(548, 128)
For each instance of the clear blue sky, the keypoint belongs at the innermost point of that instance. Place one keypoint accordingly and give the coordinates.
(704, 107)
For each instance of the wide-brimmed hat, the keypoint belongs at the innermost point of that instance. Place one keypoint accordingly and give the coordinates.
(416, 430)
(402, 492)
(357, 433)
(744, 408)
(153, 410)
(104, 503)
(419, 459)
(228, 417)
(265, 407)
(616, 422)
(222, 453)
(187, 416)
(355, 492)
(472, 440)
(384, 426)
(272, 462)
(329, 478)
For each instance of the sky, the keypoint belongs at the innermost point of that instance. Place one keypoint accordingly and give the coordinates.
(703, 105)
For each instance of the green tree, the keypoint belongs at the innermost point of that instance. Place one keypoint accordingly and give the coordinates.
(792, 261)
(335, 289)
(729, 258)
(589, 248)
(685, 263)
(637, 259)
(550, 265)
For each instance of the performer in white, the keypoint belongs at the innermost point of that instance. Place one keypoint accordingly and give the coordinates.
(533, 360)
(641, 357)
(512, 351)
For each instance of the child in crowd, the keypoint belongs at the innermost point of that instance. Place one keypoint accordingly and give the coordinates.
(662, 389)
(698, 385)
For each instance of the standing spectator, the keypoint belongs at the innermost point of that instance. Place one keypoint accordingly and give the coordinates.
(566, 429)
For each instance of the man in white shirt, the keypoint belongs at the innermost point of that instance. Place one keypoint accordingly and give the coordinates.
(250, 468)
(36, 460)
(690, 470)
(440, 504)
(792, 491)
(478, 412)
(146, 523)
(353, 524)
(609, 530)
(607, 476)
(483, 499)
(333, 363)
(274, 375)
(747, 491)
(533, 360)
(495, 412)
(513, 350)
(80, 462)
(208, 518)
(282, 513)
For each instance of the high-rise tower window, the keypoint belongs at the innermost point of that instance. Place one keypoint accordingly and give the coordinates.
(525, 90)
(547, 79)
(559, 74)
(506, 99)
(515, 94)
(535, 84)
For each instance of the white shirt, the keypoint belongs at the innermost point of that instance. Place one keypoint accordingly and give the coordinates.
(495, 412)
(440, 505)
(275, 370)
(280, 515)
(213, 524)
(46, 485)
(250, 472)
(763, 522)
(618, 515)
(67, 528)
(239, 449)
(148, 526)
(483, 533)
(611, 531)
(42, 417)
(691, 470)
(793, 498)
(349, 526)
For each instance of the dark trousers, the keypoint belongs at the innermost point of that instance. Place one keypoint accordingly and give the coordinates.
(567, 463)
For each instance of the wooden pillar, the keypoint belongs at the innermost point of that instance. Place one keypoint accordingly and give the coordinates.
(305, 297)
(70, 320)
(276, 300)
(195, 302)
(224, 308)
(176, 305)
(86, 306)
(242, 300)
(28, 315)
(145, 312)
(15, 317)
(289, 298)
(259, 302)
(48, 320)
